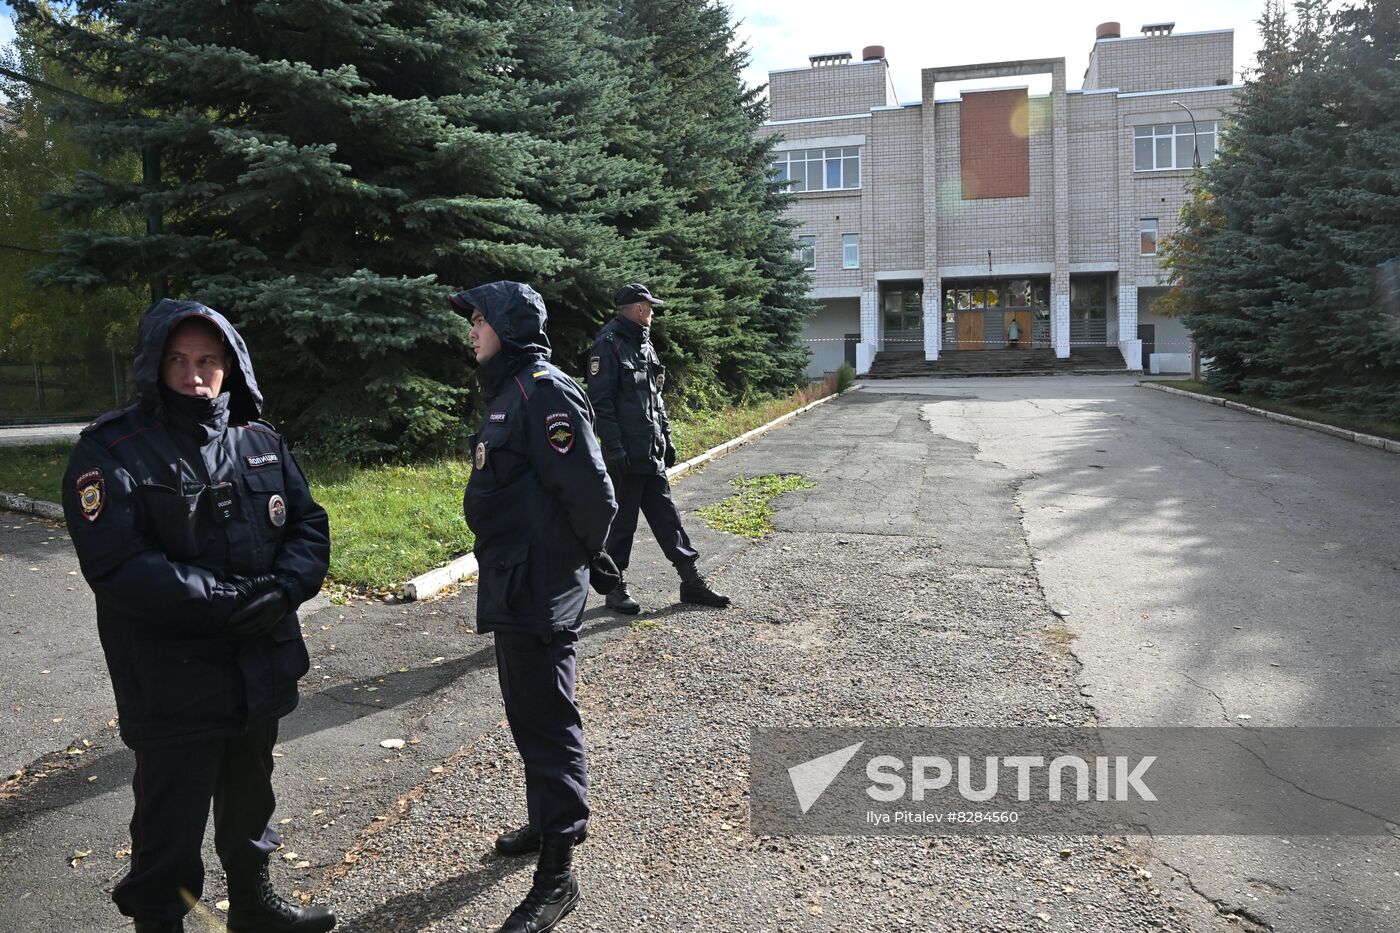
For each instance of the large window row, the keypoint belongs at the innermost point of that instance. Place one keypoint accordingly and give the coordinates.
(818, 169)
(1172, 145)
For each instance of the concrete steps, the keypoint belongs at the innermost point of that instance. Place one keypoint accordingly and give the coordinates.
(905, 364)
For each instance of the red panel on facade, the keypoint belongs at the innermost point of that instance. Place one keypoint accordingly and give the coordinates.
(995, 144)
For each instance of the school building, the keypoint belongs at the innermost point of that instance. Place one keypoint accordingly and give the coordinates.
(998, 221)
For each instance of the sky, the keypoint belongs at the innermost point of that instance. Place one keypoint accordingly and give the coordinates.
(782, 33)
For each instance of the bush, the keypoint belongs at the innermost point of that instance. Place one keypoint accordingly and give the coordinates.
(845, 377)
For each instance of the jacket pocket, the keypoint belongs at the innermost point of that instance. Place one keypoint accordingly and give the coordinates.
(503, 574)
(267, 503)
(172, 518)
(189, 685)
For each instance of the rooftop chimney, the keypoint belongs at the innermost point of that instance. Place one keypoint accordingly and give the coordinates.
(830, 58)
(1158, 29)
(872, 53)
(1108, 31)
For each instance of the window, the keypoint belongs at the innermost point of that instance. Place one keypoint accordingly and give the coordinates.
(818, 169)
(903, 309)
(850, 251)
(1147, 233)
(1172, 145)
(807, 251)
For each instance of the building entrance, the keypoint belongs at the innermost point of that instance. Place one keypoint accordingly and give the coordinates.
(977, 314)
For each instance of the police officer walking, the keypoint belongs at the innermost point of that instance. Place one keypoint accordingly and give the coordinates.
(539, 503)
(199, 537)
(625, 379)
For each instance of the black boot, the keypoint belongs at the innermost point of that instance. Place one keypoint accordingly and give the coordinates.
(554, 892)
(519, 841)
(254, 907)
(694, 589)
(160, 926)
(620, 600)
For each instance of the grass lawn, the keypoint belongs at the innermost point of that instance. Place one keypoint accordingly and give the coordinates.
(1378, 427)
(390, 523)
(34, 471)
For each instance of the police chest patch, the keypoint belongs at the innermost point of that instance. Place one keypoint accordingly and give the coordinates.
(660, 380)
(497, 417)
(559, 428)
(277, 511)
(91, 494)
(481, 455)
(594, 364)
(257, 460)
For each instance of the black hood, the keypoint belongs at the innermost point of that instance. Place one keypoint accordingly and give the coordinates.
(245, 401)
(515, 312)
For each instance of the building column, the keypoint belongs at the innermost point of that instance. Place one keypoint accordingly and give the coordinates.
(933, 282)
(1128, 344)
(933, 317)
(872, 340)
(1059, 315)
(1059, 282)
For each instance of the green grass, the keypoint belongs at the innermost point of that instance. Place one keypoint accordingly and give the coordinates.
(390, 523)
(1376, 426)
(749, 512)
(693, 433)
(35, 471)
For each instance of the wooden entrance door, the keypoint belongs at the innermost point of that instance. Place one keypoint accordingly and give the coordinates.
(1023, 328)
(970, 334)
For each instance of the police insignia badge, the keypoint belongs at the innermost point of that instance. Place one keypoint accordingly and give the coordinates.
(661, 380)
(91, 494)
(277, 511)
(481, 455)
(559, 428)
(594, 364)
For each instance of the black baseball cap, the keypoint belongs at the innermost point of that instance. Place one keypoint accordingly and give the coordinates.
(633, 293)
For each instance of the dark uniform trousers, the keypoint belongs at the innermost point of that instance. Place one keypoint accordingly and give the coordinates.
(537, 684)
(173, 787)
(649, 494)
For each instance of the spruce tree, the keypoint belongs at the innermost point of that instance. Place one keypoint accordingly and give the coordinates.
(323, 181)
(1276, 259)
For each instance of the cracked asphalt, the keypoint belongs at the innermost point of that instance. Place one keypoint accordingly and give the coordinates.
(995, 552)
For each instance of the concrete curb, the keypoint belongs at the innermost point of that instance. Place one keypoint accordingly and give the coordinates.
(16, 502)
(435, 581)
(1356, 437)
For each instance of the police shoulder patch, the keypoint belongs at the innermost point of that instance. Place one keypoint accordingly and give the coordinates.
(92, 493)
(559, 428)
(594, 364)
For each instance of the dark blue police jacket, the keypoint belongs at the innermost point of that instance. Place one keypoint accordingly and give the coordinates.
(166, 501)
(625, 379)
(539, 499)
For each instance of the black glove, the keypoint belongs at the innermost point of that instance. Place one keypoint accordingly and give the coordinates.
(603, 574)
(248, 587)
(258, 615)
(670, 458)
(615, 462)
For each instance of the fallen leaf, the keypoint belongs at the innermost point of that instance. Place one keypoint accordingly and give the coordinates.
(392, 743)
(284, 822)
(221, 905)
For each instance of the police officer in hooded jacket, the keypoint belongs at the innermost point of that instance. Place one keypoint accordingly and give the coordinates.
(625, 379)
(199, 537)
(539, 502)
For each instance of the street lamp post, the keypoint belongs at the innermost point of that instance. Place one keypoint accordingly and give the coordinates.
(1195, 135)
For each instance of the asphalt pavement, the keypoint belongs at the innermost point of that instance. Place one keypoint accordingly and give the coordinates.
(1008, 552)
